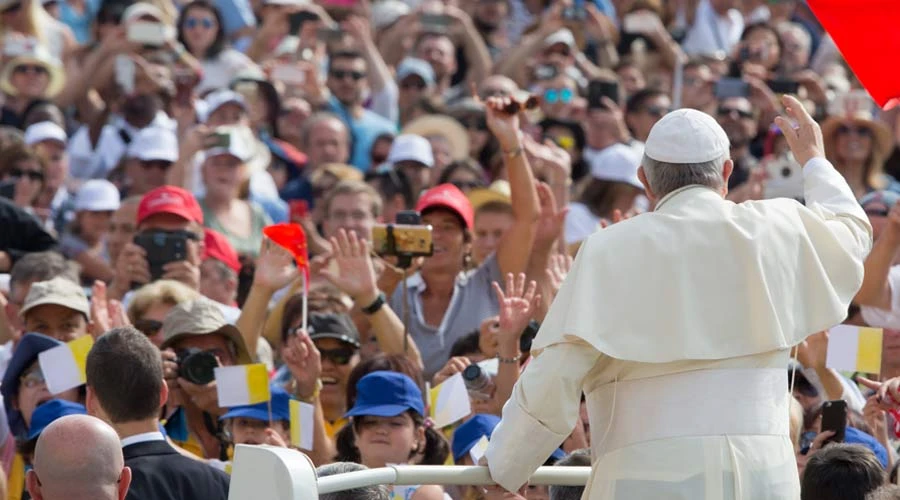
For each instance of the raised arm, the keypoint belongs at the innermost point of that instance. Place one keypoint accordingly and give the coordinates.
(876, 290)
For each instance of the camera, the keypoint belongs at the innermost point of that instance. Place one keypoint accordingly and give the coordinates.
(197, 366)
(479, 384)
(408, 237)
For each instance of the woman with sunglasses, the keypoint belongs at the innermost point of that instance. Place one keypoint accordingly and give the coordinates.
(152, 302)
(201, 31)
(21, 176)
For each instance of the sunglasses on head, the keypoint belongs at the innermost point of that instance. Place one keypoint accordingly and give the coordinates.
(30, 68)
(340, 74)
(35, 175)
(855, 130)
(341, 356)
(148, 327)
(740, 112)
(563, 95)
(193, 22)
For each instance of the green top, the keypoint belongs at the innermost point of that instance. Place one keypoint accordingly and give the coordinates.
(242, 245)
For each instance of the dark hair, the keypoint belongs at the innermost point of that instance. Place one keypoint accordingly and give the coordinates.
(325, 299)
(735, 69)
(344, 54)
(392, 183)
(467, 344)
(600, 195)
(221, 40)
(124, 370)
(436, 451)
(639, 98)
(468, 165)
(377, 492)
(37, 104)
(41, 266)
(841, 472)
(383, 363)
(578, 458)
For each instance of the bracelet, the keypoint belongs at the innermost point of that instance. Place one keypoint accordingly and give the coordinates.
(513, 360)
(375, 306)
(514, 153)
(315, 394)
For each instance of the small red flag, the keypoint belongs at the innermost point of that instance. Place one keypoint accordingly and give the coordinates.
(867, 36)
(292, 238)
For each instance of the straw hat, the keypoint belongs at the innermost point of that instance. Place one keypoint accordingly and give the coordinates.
(442, 126)
(852, 108)
(39, 56)
(499, 191)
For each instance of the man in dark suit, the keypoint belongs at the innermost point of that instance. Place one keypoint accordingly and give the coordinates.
(125, 388)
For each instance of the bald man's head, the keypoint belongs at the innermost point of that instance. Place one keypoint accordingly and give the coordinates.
(78, 457)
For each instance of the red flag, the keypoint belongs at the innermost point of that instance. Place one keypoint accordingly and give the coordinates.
(867, 36)
(292, 238)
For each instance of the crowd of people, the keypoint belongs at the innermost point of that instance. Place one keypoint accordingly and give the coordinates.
(145, 145)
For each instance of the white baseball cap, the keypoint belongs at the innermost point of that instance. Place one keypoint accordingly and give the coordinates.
(219, 98)
(239, 144)
(97, 195)
(563, 36)
(141, 9)
(44, 131)
(154, 143)
(617, 163)
(687, 136)
(410, 147)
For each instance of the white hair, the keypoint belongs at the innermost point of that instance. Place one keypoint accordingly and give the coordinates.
(666, 177)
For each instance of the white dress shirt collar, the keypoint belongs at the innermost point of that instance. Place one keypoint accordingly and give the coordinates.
(143, 438)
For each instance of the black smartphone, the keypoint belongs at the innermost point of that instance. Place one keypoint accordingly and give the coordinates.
(732, 87)
(834, 418)
(162, 247)
(781, 86)
(598, 89)
(297, 19)
(528, 336)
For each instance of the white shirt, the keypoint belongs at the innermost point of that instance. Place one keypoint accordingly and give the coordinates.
(143, 438)
(711, 32)
(886, 318)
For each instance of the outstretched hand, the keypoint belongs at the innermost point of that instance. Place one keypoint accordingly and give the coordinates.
(518, 306)
(802, 133)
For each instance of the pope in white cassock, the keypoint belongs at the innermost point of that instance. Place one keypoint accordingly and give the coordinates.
(677, 326)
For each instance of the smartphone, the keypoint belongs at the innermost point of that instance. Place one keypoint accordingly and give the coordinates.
(148, 33)
(297, 19)
(162, 247)
(289, 73)
(781, 86)
(402, 240)
(575, 12)
(598, 89)
(435, 22)
(298, 209)
(528, 336)
(784, 178)
(640, 22)
(408, 217)
(732, 87)
(219, 140)
(545, 72)
(15, 45)
(328, 35)
(834, 418)
(125, 73)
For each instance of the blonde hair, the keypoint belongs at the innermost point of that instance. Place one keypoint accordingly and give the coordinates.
(35, 19)
(164, 292)
(796, 416)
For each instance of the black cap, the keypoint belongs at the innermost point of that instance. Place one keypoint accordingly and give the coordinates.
(333, 326)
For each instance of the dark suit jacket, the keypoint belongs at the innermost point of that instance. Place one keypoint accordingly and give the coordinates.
(160, 473)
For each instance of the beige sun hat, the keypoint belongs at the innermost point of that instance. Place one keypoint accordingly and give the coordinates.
(58, 291)
(856, 107)
(441, 126)
(41, 57)
(202, 317)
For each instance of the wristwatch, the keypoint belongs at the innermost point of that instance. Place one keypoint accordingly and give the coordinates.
(375, 306)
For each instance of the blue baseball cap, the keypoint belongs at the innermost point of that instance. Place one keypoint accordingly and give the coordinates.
(469, 433)
(856, 436)
(25, 353)
(386, 394)
(281, 408)
(46, 413)
(557, 455)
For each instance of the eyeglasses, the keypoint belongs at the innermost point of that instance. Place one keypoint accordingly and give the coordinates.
(193, 22)
(11, 9)
(340, 356)
(157, 164)
(857, 131)
(34, 175)
(563, 95)
(30, 68)
(148, 327)
(32, 379)
(731, 111)
(339, 74)
(657, 111)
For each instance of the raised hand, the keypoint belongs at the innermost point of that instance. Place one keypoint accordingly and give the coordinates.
(616, 218)
(887, 393)
(552, 219)
(811, 353)
(275, 267)
(355, 273)
(451, 368)
(802, 133)
(101, 322)
(516, 308)
(504, 126)
(304, 362)
(558, 270)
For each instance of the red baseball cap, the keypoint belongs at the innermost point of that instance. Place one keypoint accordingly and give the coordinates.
(170, 200)
(450, 197)
(218, 247)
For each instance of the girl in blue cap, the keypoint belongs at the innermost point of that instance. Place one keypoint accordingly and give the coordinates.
(389, 427)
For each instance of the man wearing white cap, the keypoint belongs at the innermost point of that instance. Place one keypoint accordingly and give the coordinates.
(150, 155)
(412, 155)
(677, 326)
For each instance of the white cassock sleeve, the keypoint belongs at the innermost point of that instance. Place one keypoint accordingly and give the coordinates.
(828, 196)
(541, 413)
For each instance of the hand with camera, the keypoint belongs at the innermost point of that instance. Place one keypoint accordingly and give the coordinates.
(131, 267)
(355, 274)
(504, 126)
(452, 367)
(818, 443)
(183, 271)
(517, 306)
(170, 375)
(304, 362)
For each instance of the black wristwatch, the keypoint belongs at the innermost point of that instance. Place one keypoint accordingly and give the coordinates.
(375, 306)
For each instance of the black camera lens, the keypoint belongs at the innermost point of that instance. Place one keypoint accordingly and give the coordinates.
(786, 172)
(197, 367)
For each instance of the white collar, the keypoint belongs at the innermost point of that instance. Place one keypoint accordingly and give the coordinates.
(143, 438)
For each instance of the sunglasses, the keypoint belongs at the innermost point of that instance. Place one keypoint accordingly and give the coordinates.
(34, 175)
(563, 95)
(11, 9)
(857, 131)
(657, 111)
(740, 112)
(413, 83)
(340, 74)
(30, 68)
(340, 356)
(467, 185)
(193, 22)
(148, 327)
(157, 164)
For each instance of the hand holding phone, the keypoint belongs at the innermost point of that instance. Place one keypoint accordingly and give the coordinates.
(598, 89)
(290, 74)
(125, 73)
(732, 87)
(149, 33)
(641, 22)
(834, 419)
